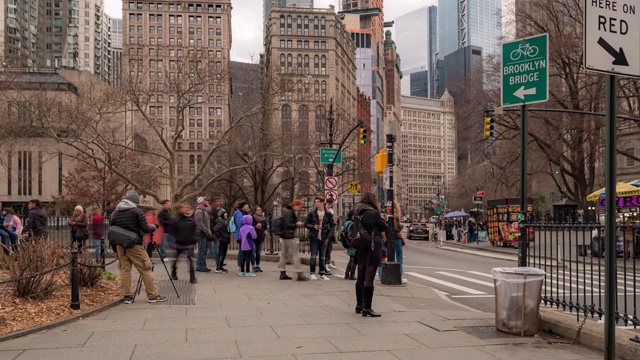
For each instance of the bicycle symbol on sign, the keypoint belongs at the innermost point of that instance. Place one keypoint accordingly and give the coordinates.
(524, 49)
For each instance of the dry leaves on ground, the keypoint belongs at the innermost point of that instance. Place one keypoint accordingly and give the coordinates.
(19, 314)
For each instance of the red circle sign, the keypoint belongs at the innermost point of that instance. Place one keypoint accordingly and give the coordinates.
(331, 183)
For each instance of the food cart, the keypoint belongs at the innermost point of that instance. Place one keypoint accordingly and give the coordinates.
(503, 221)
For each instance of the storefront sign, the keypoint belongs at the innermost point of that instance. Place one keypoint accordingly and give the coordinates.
(623, 201)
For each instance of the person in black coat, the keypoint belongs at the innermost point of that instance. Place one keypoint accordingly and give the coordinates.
(288, 241)
(185, 240)
(369, 257)
(129, 217)
(36, 226)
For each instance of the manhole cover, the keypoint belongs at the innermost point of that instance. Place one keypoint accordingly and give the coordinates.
(484, 332)
(184, 289)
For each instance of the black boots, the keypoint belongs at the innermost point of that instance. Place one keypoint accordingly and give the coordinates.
(358, 299)
(349, 273)
(192, 277)
(174, 273)
(284, 276)
(366, 305)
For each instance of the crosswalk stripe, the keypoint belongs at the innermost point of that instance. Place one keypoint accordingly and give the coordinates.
(480, 274)
(485, 283)
(447, 284)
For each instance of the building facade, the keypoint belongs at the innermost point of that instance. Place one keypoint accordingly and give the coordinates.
(311, 58)
(56, 34)
(429, 151)
(116, 52)
(416, 38)
(164, 42)
(393, 110)
(468, 23)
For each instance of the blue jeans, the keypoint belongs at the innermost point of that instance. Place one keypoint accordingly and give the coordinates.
(98, 248)
(215, 248)
(201, 260)
(399, 254)
(255, 256)
(317, 247)
(166, 239)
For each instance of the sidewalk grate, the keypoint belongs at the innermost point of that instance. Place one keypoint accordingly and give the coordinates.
(185, 290)
(484, 332)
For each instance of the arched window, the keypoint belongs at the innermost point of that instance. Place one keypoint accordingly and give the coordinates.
(289, 63)
(282, 25)
(321, 124)
(283, 65)
(306, 64)
(192, 164)
(316, 90)
(299, 90)
(316, 65)
(303, 123)
(299, 64)
(323, 65)
(316, 26)
(323, 92)
(285, 118)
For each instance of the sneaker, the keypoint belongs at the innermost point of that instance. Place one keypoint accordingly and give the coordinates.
(313, 277)
(224, 271)
(331, 266)
(218, 271)
(324, 277)
(249, 274)
(328, 273)
(157, 299)
(242, 273)
(165, 259)
(203, 270)
(259, 269)
(405, 281)
(128, 299)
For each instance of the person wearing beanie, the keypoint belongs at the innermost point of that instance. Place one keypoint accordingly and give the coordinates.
(288, 241)
(129, 217)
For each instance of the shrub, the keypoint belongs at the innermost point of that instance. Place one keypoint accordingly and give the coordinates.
(88, 276)
(31, 258)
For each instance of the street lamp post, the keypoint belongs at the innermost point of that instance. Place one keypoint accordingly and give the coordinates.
(391, 269)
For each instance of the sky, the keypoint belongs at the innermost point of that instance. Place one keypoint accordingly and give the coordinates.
(246, 21)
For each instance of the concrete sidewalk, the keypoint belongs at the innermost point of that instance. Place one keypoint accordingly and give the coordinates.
(265, 318)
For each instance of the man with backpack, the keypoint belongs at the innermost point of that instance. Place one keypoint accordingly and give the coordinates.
(185, 240)
(319, 222)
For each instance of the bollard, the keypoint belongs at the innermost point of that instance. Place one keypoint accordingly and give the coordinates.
(75, 281)
(102, 255)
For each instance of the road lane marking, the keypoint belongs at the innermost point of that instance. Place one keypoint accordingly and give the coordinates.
(485, 283)
(480, 274)
(447, 284)
(472, 296)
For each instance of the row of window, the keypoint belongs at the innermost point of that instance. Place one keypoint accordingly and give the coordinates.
(302, 64)
(303, 90)
(176, 42)
(175, 19)
(192, 110)
(318, 45)
(302, 26)
(176, 7)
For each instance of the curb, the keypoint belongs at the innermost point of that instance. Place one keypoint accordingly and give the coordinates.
(56, 323)
(592, 335)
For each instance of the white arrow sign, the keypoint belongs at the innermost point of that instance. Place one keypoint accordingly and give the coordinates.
(521, 93)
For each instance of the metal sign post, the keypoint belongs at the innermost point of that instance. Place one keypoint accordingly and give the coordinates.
(523, 243)
(391, 269)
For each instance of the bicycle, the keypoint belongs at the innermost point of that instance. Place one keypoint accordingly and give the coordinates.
(524, 49)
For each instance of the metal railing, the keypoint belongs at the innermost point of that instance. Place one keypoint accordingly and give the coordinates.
(572, 255)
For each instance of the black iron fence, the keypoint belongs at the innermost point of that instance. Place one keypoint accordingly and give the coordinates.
(60, 232)
(572, 255)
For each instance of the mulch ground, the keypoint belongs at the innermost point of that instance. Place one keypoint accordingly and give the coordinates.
(19, 314)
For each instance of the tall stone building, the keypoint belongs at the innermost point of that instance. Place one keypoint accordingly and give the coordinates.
(310, 60)
(57, 33)
(429, 151)
(393, 109)
(365, 22)
(116, 52)
(164, 42)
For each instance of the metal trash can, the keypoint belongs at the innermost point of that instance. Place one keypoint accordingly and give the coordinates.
(518, 292)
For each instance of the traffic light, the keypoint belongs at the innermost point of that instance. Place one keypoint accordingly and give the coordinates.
(380, 161)
(363, 136)
(488, 126)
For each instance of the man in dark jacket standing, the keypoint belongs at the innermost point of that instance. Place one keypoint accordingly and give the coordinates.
(319, 223)
(129, 217)
(36, 226)
(288, 241)
(164, 217)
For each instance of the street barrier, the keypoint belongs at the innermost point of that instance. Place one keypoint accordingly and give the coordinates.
(572, 255)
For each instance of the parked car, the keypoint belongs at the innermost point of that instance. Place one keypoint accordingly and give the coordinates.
(418, 231)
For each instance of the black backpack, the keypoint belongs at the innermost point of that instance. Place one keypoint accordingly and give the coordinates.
(277, 226)
(358, 236)
(184, 230)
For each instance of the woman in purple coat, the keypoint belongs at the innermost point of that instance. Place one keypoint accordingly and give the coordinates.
(247, 235)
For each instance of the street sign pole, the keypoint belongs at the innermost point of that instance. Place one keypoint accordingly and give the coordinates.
(522, 249)
(391, 269)
(610, 222)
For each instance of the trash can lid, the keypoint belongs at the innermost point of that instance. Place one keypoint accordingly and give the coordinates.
(517, 271)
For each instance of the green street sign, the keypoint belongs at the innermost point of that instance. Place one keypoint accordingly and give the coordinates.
(525, 71)
(327, 155)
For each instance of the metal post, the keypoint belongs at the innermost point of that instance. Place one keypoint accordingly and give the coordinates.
(391, 269)
(75, 281)
(522, 248)
(102, 255)
(610, 222)
(331, 120)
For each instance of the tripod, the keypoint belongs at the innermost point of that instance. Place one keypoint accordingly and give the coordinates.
(139, 286)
